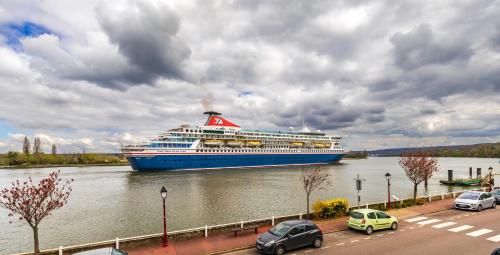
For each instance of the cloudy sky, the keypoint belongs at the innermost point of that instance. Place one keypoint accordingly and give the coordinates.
(87, 74)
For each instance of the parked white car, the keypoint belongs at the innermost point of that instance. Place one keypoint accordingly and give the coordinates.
(102, 251)
(474, 200)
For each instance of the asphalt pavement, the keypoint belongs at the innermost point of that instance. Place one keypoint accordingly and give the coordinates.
(447, 232)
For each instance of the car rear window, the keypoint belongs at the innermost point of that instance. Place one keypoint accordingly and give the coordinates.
(357, 215)
(472, 196)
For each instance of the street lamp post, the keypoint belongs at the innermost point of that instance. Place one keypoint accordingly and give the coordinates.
(163, 193)
(358, 187)
(388, 178)
(491, 178)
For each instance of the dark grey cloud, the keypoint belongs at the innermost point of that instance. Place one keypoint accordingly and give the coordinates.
(418, 47)
(147, 36)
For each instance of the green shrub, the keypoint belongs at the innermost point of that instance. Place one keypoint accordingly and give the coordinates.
(420, 201)
(330, 208)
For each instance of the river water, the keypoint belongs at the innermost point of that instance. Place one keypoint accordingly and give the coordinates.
(114, 201)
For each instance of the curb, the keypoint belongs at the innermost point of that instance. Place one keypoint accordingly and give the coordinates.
(335, 231)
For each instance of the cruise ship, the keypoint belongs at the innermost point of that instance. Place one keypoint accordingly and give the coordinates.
(220, 143)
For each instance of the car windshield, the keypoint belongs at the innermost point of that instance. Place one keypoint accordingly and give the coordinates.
(496, 192)
(472, 196)
(280, 229)
(357, 215)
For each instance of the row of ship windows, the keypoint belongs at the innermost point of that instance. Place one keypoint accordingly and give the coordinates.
(252, 137)
(257, 134)
(169, 145)
(267, 151)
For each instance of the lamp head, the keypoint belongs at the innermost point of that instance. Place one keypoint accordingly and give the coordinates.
(387, 176)
(163, 192)
(490, 169)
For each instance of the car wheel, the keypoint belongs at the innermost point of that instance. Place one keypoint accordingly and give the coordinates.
(369, 230)
(280, 250)
(479, 208)
(317, 242)
(394, 226)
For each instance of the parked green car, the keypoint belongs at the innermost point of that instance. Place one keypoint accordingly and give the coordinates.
(368, 220)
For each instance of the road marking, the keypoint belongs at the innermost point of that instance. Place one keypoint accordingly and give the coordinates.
(494, 238)
(308, 251)
(479, 232)
(354, 241)
(401, 230)
(461, 228)
(339, 244)
(390, 233)
(366, 238)
(465, 215)
(412, 228)
(428, 222)
(416, 219)
(326, 247)
(380, 234)
(442, 225)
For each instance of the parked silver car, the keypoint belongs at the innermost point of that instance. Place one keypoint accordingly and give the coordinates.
(474, 200)
(102, 251)
(496, 194)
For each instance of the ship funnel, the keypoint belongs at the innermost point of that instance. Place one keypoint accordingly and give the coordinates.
(214, 119)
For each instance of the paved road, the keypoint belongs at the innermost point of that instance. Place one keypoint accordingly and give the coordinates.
(447, 232)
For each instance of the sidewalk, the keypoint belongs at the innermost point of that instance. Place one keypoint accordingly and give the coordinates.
(220, 243)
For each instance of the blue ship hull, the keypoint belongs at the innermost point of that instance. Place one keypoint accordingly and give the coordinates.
(209, 161)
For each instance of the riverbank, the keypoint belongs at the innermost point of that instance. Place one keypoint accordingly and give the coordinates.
(57, 166)
(15, 160)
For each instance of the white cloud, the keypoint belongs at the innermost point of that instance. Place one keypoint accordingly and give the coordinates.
(380, 74)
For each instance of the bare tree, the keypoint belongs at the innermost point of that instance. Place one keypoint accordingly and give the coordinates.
(34, 202)
(26, 146)
(313, 178)
(54, 149)
(418, 167)
(37, 146)
(431, 167)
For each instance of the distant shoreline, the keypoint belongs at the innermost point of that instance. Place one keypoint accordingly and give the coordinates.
(65, 165)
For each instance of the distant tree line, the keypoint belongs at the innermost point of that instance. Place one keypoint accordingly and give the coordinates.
(486, 150)
(35, 156)
(357, 154)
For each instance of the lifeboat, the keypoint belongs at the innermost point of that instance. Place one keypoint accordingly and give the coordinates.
(213, 143)
(321, 145)
(234, 143)
(253, 143)
(296, 144)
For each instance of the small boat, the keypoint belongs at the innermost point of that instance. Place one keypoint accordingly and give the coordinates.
(462, 182)
(234, 143)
